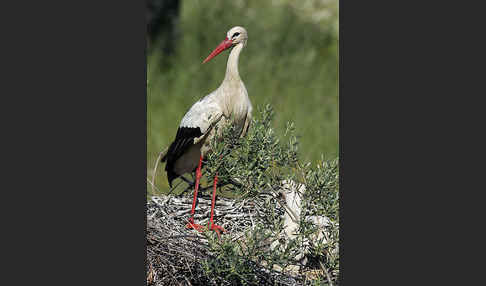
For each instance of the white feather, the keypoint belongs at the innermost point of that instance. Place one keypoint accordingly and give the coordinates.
(203, 114)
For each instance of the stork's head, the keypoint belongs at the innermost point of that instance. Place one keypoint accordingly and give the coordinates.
(236, 35)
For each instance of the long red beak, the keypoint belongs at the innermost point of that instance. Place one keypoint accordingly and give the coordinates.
(221, 47)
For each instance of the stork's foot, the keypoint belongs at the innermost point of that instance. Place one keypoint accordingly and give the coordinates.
(190, 224)
(217, 229)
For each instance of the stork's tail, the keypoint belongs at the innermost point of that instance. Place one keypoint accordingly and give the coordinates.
(171, 175)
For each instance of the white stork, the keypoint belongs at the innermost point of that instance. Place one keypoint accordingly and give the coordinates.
(229, 103)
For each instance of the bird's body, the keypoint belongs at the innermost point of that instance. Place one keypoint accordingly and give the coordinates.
(228, 104)
(200, 121)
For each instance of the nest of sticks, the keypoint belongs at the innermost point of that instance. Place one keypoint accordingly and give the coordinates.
(174, 253)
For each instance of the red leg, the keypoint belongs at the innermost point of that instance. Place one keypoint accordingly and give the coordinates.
(191, 223)
(211, 224)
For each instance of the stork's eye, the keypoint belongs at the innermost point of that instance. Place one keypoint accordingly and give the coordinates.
(235, 34)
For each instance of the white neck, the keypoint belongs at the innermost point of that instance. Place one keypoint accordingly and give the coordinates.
(230, 89)
(232, 65)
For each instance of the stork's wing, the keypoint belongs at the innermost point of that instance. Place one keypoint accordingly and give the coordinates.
(197, 122)
(203, 115)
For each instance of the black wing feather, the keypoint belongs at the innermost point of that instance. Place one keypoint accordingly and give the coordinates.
(184, 139)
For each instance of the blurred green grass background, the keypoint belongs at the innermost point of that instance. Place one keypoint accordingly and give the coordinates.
(290, 62)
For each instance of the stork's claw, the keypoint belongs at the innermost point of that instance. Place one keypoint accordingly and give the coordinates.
(217, 229)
